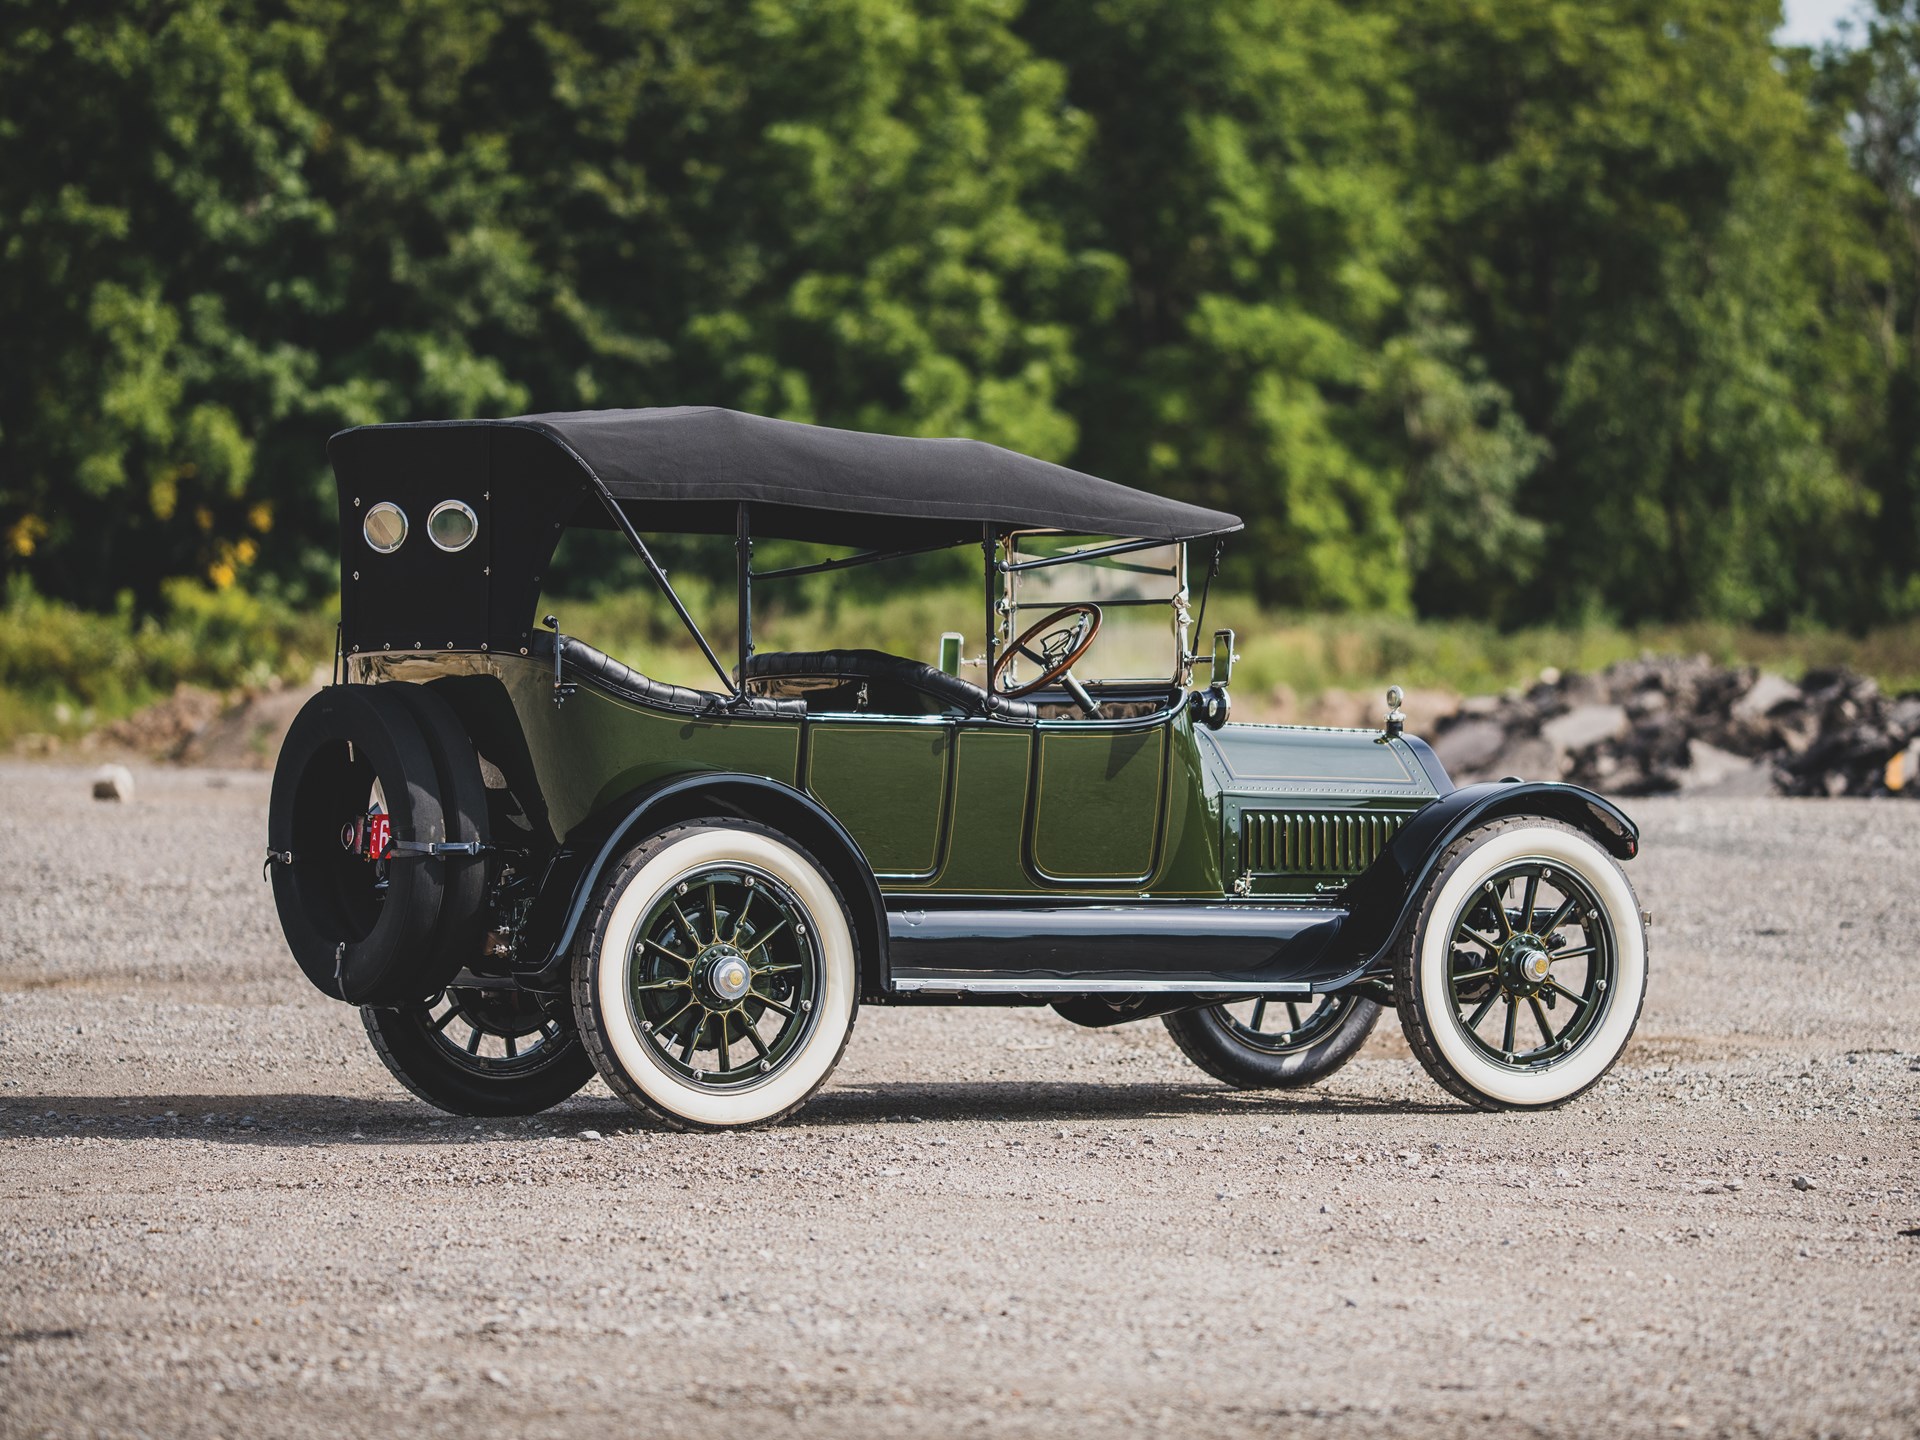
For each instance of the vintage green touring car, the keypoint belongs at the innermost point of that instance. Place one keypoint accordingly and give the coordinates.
(527, 860)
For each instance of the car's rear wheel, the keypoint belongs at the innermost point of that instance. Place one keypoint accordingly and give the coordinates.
(1275, 1043)
(1522, 979)
(480, 1052)
(716, 979)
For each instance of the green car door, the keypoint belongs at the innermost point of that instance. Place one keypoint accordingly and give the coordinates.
(886, 779)
(1095, 814)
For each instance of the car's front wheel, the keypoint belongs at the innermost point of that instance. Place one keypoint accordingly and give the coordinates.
(716, 980)
(1275, 1043)
(1522, 978)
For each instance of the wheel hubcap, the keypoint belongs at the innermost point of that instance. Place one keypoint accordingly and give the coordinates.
(724, 975)
(1527, 963)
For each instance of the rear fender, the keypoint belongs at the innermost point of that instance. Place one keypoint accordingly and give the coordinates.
(597, 843)
(1381, 901)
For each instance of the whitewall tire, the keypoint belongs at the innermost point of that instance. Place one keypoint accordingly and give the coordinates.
(716, 977)
(1520, 981)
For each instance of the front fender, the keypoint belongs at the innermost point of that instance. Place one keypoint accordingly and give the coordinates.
(1381, 900)
(597, 843)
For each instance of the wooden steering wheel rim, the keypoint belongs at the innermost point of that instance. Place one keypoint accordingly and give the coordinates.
(1006, 655)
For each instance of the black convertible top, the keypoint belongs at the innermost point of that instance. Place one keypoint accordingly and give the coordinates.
(686, 468)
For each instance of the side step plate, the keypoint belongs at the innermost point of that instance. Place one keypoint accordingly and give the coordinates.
(979, 947)
(931, 982)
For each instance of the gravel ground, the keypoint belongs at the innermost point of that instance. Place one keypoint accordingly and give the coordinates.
(220, 1215)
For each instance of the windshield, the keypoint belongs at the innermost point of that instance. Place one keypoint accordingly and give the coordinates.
(1142, 595)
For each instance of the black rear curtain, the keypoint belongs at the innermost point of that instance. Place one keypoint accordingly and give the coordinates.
(685, 468)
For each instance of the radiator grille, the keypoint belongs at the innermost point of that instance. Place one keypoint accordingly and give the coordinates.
(1314, 842)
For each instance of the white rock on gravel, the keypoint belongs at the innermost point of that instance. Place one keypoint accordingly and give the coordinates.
(113, 782)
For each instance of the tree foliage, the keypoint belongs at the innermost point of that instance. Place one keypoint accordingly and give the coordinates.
(1508, 309)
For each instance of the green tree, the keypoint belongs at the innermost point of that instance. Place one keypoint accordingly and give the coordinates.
(1871, 91)
(1245, 175)
(232, 227)
(1646, 227)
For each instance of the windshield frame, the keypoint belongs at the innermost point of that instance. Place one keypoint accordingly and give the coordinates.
(1007, 565)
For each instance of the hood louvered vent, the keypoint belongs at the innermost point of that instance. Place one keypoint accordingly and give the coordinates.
(1314, 842)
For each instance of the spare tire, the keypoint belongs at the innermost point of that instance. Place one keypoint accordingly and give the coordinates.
(463, 803)
(358, 929)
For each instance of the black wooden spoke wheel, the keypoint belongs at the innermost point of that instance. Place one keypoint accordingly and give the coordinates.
(717, 979)
(1521, 980)
(724, 976)
(1275, 1042)
(481, 1052)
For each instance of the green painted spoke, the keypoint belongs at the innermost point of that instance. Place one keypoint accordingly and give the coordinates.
(446, 1019)
(686, 960)
(667, 1024)
(766, 937)
(772, 1004)
(1481, 1013)
(1513, 1014)
(1540, 1019)
(1259, 1013)
(753, 1039)
(1560, 916)
(1499, 902)
(513, 1046)
(664, 985)
(1559, 989)
(687, 925)
(473, 1039)
(1475, 974)
(726, 1051)
(1293, 1013)
(1532, 894)
(688, 1046)
(740, 920)
(1580, 954)
(1474, 937)
(713, 909)
(776, 969)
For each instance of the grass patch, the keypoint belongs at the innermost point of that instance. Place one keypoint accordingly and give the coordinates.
(65, 671)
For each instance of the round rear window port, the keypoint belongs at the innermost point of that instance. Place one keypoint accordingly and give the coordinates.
(452, 525)
(385, 527)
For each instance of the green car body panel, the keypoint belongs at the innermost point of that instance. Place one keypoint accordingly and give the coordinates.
(1149, 809)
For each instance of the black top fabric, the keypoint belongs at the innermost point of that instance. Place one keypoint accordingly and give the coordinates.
(686, 468)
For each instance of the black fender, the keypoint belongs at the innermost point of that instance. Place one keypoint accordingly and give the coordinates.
(1380, 902)
(598, 842)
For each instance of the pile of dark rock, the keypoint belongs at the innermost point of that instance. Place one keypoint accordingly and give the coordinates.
(1647, 727)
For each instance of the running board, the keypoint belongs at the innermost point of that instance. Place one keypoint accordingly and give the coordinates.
(929, 982)
(984, 946)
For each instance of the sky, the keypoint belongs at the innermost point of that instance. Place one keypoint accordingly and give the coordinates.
(1814, 22)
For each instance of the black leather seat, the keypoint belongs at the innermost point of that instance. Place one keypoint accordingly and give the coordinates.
(877, 668)
(604, 672)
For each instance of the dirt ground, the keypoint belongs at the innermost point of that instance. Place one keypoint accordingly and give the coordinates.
(218, 1215)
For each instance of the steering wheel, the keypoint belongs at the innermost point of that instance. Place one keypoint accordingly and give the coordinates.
(1056, 648)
